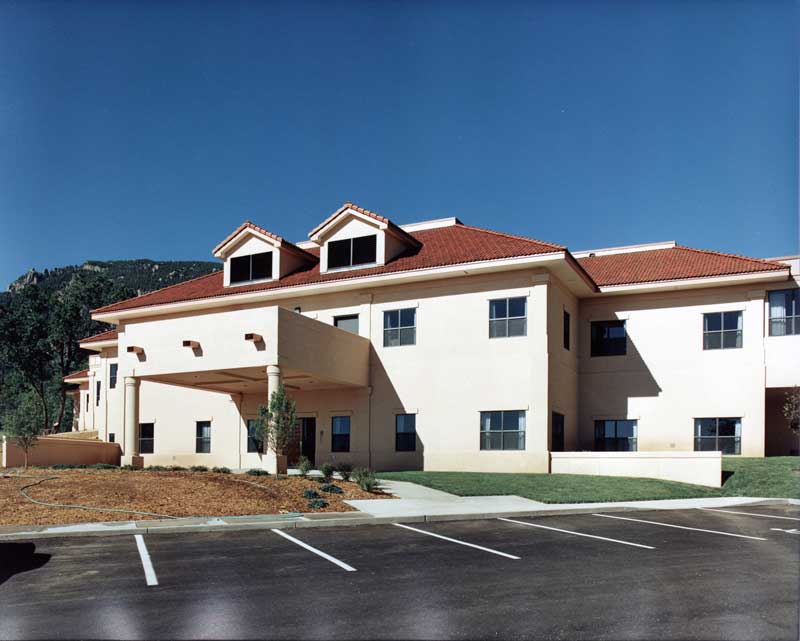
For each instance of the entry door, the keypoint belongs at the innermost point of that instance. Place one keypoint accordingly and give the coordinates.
(557, 433)
(308, 446)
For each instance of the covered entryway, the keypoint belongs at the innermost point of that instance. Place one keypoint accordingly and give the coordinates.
(780, 440)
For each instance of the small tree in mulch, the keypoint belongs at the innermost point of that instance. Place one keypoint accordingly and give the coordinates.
(791, 410)
(277, 420)
(23, 425)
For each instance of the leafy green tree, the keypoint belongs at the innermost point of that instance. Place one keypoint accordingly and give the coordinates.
(791, 410)
(277, 421)
(23, 425)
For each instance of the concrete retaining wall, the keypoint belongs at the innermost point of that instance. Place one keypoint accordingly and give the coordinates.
(53, 450)
(700, 468)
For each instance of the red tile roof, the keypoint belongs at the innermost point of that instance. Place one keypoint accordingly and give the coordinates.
(82, 374)
(108, 335)
(370, 214)
(248, 225)
(439, 247)
(675, 263)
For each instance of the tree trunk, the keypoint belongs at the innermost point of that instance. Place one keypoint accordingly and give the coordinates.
(62, 405)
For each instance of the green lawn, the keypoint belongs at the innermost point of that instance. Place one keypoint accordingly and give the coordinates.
(777, 477)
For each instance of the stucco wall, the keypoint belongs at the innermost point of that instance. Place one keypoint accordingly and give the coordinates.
(700, 468)
(53, 450)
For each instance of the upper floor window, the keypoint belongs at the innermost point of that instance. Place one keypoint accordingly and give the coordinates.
(718, 435)
(352, 251)
(615, 436)
(400, 327)
(503, 430)
(508, 317)
(112, 375)
(566, 329)
(348, 323)
(784, 312)
(609, 338)
(251, 267)
(722, 330)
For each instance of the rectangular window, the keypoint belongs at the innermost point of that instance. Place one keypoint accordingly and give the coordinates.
(609, 338)
(784, 312)
(718, 435)
(112, 375)
(508, 317)
(503, 430)
(252, 267)
(340, 434)
(347, 323)
(722, 330)
(111, 437)
(400, 327)
(203, 437)
(87, 401)
(405, 433)
(97, 394)
(254, 444)
(566, 329)
(615, 436)
(146, 438)
(352, 251)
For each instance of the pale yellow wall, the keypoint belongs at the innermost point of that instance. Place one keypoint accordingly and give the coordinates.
(563, 383)
(666, 380)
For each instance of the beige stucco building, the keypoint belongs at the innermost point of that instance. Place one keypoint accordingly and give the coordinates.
(441, 346)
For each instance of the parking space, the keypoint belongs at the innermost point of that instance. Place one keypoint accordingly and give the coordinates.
(654, 574)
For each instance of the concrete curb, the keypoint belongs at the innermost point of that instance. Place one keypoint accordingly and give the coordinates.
(277, 521)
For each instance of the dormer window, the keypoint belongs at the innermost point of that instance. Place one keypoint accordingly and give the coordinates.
(352, 251)
(251, 267)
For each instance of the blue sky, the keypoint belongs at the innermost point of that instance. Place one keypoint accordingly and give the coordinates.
(151, 129)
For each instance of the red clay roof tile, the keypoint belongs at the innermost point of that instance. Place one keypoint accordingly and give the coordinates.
(108, 335)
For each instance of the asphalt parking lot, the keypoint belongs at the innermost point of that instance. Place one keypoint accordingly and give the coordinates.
(694, 574)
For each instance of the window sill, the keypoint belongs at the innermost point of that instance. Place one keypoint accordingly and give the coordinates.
(251, 282)
(351, 268)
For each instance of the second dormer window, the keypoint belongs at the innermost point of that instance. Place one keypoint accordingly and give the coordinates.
(352, 251)
(252, 267)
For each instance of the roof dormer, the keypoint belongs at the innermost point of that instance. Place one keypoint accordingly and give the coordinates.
(255, 255)
(356, 238)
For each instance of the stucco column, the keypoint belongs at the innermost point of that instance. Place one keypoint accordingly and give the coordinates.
(269, 459)
(131, 419)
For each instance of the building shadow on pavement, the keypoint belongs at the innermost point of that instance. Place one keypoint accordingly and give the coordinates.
(16, 558)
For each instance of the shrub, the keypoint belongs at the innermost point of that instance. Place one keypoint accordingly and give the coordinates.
(221, 470)
(257, 472)
(310, 494)
(176, 468)
(198, 468)
(367, 482)
(316, 504)
(330, 487)
(103, 466)
(304, 466)
(345, 470)
(359, 472)
(70, 466)
(156, 468)
(327, 470)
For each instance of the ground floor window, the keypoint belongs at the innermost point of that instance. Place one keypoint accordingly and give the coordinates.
(405, 433)
(111, 437)
(254, 444)
(615, 436)
(503, 430)
(340, 434)
(718, 435)
(146, 438)
(203, 437)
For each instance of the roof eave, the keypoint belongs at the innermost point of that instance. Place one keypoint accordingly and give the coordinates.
(773, 275)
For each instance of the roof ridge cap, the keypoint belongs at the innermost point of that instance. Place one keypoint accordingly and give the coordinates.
(507, 235)
(183, 282)
(729, 255)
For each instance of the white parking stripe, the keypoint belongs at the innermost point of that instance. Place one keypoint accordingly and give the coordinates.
(147, 564)
(763, 516)
(681, 527)
(469, 545)
(330, 558)
(590, 536)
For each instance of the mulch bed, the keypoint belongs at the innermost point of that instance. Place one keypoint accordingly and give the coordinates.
(177, 493)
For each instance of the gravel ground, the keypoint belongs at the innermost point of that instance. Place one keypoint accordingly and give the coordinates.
(168, 493)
